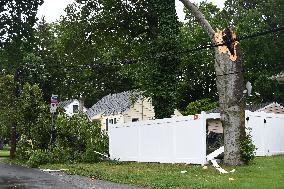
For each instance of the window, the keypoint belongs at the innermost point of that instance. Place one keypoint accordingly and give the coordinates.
(111, 121)
(75, 108)
(135, 119)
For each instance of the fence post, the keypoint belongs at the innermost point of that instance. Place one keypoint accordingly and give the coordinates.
(174, 143)
(203, 125)
(139, 142)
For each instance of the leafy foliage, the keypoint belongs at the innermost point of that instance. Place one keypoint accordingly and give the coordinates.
(262, 56)
(81, 137)
(247, 148)
(269, 90)
(17, 19)
(33, 116)
(7, 111)
(200, 105)
(76, 140)
(128, 32)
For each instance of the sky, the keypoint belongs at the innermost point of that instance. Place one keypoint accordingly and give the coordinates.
(52, 9)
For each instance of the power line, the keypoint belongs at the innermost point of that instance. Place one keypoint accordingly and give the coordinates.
(167, 53)
(245, 37)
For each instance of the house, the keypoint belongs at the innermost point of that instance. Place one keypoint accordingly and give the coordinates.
(279, 77)
(128, 106)
(72, 106)
(215, 125)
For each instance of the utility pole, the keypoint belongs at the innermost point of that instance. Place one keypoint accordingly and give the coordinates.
(53, 106)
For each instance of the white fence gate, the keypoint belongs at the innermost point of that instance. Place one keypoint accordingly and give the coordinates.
(173, 140)
(267, 132)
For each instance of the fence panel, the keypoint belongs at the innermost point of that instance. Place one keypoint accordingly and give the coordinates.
(267, 132)
(125, 150)
(172, 140)
(274, 128)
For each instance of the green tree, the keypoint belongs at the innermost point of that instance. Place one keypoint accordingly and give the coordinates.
(161, 83)
(136, 31)
(89, 54)
(34, 120)
(262, 56)
(17, 19)
(7, 112)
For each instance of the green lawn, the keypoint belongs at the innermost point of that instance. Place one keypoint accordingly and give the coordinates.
(5, 152)
(264, 173)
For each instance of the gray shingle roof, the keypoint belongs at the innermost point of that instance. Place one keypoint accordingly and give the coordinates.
(114, 103)
(65, 103)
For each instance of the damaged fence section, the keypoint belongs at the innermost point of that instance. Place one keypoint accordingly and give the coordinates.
(173, 140)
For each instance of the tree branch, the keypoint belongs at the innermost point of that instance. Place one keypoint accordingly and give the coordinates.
(200, 18)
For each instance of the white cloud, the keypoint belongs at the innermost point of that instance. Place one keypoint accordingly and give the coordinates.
(52, 9)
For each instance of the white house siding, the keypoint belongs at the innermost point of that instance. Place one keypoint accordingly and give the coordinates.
(111, 118)
(141, 110)
(69, 108)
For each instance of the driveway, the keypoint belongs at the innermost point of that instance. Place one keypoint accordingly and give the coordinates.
(17, 177)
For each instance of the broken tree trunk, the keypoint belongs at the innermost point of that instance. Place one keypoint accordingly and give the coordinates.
(230, 86)
(229, 73)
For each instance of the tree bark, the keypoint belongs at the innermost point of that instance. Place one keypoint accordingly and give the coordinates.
(13, 141)
(1, 143)
(81, 103)
(230, 86)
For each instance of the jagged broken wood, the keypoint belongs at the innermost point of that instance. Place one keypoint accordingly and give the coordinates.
(212, 158)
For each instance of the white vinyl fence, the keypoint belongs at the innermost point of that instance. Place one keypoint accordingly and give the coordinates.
(183, 139)
(173, 140)
(267, 130)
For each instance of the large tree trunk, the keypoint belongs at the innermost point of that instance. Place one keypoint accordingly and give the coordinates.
(1, 143)
(230, 87)
(13, 141)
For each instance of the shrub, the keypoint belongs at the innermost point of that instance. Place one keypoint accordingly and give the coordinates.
(200, 105)
(38, 157)
(59, 154)
(75, 139)
(247, 148)
(90, 156)
(80, 137)
(24, 148)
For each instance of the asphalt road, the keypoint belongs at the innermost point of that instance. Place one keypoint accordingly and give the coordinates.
(17, 177)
